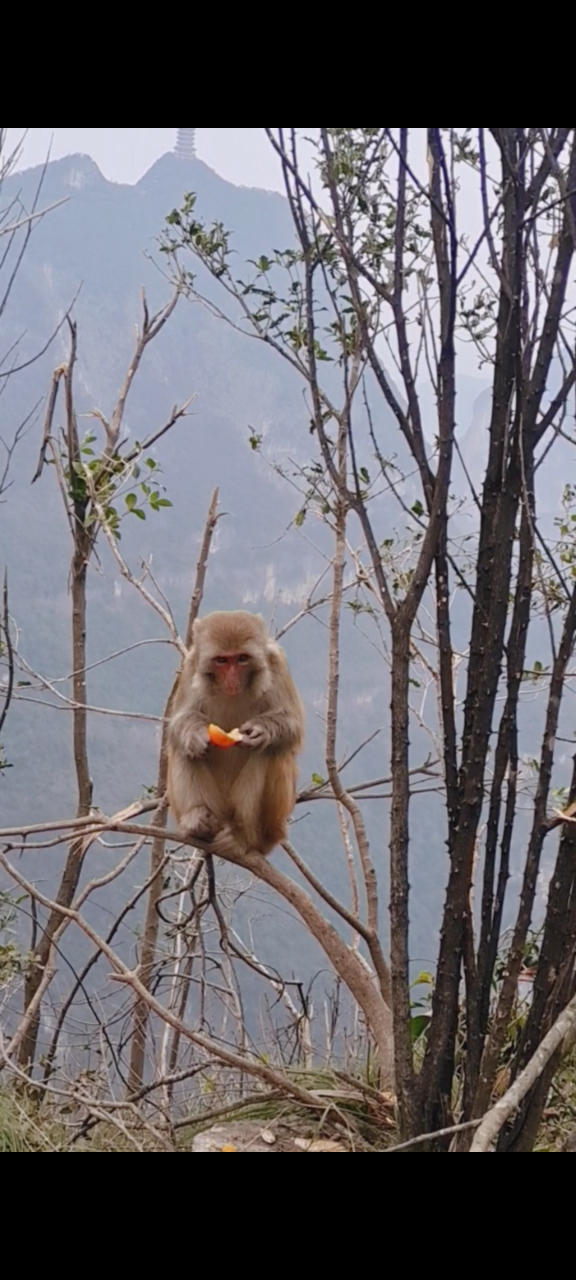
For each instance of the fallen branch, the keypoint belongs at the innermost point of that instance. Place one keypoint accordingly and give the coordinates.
(494, 1121)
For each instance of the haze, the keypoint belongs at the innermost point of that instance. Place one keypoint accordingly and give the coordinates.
(241, 155)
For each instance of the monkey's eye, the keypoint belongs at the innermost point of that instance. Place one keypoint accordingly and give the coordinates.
(243, 659)
(221, 662)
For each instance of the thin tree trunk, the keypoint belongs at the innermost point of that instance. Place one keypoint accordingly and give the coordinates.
(399, 883)
(75, 860)
(141, 1016)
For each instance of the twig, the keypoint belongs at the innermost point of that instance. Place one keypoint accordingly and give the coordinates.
(150, 330)
(126, 572)
(257, 1100)
(99, 824)
(49, 419)
(30, 218)
(197, 595)
(71, 915)
(352, 970)
(431, 1137)
(336, 906)
(5, 627)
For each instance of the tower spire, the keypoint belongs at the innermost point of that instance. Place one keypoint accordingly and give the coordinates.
(186, 144)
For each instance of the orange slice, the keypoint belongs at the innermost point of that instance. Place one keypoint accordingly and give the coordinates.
(229, 1148)
(221, 739)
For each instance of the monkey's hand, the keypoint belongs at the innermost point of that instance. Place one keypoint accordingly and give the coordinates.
(194, 741)
(255, 736)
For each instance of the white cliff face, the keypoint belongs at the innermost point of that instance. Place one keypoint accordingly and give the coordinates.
(474, 442)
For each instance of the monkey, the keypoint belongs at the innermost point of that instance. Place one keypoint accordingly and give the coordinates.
(234, 676)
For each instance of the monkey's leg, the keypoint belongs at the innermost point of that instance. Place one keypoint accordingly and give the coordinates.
(278, 800)
(194, 799)
(262, 800)
(246, 802)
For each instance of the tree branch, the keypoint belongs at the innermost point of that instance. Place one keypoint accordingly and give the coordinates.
(495, 1120)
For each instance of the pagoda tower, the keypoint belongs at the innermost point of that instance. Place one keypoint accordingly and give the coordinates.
(186, 144)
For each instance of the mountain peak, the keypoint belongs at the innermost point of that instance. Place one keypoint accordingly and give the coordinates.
(77, 172)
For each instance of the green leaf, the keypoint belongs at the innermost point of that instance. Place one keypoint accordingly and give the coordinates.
(165, 502)
(418, 509)
(300, 518)
(318, 780)
(418, 1027)
(364, 475)
(131, 501)
(140, 513)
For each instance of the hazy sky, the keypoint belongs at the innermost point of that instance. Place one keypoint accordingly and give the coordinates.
(242, 155)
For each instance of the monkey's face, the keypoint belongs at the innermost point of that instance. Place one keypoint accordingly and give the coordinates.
(232, 673)
(231, 653)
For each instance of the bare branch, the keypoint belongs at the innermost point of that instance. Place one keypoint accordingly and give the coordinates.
(5, 631)
(433, 1137)
(151, 327)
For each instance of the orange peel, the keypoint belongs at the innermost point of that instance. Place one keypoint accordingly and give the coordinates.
(219, 738)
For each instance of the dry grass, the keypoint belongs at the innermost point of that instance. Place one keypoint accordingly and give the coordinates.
(560, 1115)
(350, 1110)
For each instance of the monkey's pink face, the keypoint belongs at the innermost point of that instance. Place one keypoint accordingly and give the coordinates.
(232, 672)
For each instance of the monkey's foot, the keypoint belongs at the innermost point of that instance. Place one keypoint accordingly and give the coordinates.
(227, 845)
(200, 824)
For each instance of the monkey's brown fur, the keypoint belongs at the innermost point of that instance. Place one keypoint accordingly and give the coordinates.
(245, 795)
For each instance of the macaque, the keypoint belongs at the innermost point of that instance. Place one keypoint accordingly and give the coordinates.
(235, 677)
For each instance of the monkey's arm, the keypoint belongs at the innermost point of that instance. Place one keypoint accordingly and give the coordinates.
(188, 731)
(280, 723)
